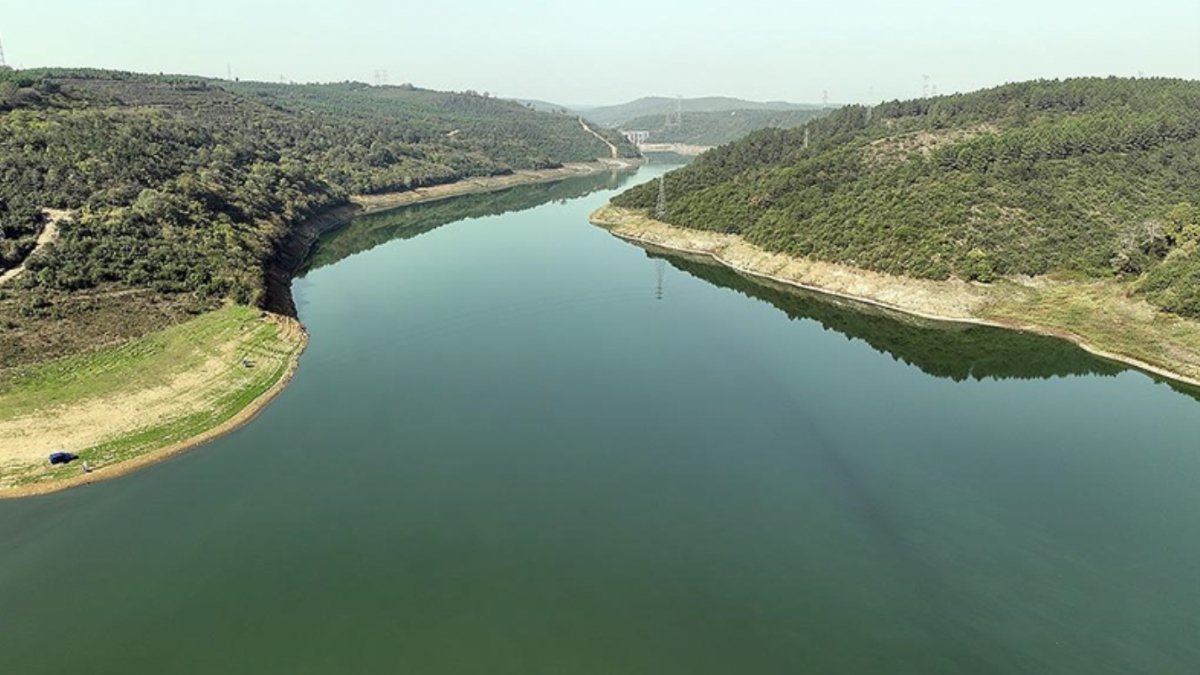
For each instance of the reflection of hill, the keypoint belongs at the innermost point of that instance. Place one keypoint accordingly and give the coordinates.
(954, 351)
(368, 231)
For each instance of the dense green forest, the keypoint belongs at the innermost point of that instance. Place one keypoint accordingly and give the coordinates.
(185, 186)
(1092, 177)
(717, 128)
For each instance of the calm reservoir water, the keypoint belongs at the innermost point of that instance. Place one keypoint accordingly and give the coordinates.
(520, 445)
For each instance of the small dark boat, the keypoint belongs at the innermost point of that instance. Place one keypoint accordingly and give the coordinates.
(62, 457)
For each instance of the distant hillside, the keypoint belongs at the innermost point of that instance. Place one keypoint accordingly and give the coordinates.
(544, 106)
(1098, 178)
(718, 128)
(623, 114)
(183, 188)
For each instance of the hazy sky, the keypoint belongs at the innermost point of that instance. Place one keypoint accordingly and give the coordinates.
(606, 52)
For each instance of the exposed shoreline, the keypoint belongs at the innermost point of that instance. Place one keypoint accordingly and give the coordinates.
(240, 418)
(947, 301)
(685, 149)
(291, 257)
(391, 200)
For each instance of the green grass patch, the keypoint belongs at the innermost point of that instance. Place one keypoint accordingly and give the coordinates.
(230, 333)
(140, 363)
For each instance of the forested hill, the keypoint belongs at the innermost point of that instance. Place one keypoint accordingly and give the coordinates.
(184, 185)
(1092, 177)
(717, 128)
(622, 114)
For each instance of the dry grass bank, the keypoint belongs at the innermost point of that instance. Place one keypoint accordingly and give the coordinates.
(124, 407)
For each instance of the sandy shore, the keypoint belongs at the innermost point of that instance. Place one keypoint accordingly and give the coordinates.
(1165, 345)
(676, 148)
(89, 421)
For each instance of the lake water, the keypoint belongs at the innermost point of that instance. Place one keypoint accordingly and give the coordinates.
(520, 445)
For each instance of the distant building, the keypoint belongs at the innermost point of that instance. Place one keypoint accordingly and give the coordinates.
(637, 137)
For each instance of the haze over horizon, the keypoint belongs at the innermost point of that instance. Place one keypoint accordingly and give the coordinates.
(597, 53)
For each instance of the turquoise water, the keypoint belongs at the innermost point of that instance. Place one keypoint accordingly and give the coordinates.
(504, 453)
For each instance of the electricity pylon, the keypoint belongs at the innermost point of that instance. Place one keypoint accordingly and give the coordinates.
(660, 209)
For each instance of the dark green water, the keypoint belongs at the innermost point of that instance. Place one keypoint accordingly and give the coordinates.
(503, 454)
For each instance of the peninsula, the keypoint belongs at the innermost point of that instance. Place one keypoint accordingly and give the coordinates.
(149, 227)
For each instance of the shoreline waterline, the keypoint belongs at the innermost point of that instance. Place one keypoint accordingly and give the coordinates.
(240, 418)
(616, 219)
